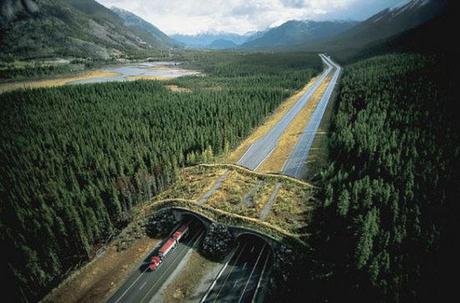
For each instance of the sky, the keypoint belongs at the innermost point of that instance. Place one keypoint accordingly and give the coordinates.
(242, 16)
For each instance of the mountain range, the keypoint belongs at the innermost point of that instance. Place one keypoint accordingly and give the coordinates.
(85, 28)
(75, 28)
(296, 32)
(288, 34)
(384, 24)
(144, 29)
(213, 39)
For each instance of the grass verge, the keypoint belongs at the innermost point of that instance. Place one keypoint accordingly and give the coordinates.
(183, 287)
(96, 281)
(318, 157)
(291, 135)
(268, 124)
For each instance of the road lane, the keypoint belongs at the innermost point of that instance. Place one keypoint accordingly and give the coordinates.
(295, 164)
(143, 283)
(239, 280)
(260, 150)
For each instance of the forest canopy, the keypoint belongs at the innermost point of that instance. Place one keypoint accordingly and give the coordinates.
(75, 160)
(382, 231)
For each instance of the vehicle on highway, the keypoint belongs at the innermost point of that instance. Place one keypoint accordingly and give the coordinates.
(170, 244)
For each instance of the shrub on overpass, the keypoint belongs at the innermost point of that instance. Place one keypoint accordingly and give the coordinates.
(217, 242)
(160, 223)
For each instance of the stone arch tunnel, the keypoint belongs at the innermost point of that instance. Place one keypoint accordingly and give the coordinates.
(180, 213)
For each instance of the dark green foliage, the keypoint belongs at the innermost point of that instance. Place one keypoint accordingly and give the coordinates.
(296, 32)
(75, 160)
(432, 37)
(72, 28)
(35, 71)
(217, 242)
(144, 29)
(388, 193)
(286, 274)
(160, 224)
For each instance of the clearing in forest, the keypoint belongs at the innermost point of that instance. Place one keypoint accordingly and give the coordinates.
(60, 81)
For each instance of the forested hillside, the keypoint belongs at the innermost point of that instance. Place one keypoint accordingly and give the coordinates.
(76, 159)
(295, 32)
(70, 28)
(383, 231)
(144, 29)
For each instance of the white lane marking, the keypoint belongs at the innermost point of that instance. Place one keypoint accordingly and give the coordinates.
(310, 93)
(323, 103)
(252, 272)
(130, 286)
(244, 265)
(260, 279)
(143, 284)
(242, 157)
(220, 273)
(252, 249)
(307, 96)
(329, 70)
(230, 273)
(140, 275)
(165, 271)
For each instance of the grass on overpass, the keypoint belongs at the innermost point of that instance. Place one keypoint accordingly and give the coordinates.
(242, 196)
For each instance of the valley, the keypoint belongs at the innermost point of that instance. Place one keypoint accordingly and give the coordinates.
(244, 152)
(126, 72)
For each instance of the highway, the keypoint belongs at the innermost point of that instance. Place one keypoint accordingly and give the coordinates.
(143, 283)
(238, 280)
(260, 150)
(295, 164)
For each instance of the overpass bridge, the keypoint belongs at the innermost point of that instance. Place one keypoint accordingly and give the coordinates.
(180, 213)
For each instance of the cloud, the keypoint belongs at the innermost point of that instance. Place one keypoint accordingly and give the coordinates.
(241, 16)
(293, 3)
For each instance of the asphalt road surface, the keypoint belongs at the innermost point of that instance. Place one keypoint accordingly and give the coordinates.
(238, 280)
(143, 283)
(259, 151)
(295, 165)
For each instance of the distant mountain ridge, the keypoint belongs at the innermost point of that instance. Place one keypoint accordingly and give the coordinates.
(139, 25)
(75, 28)
(205, 40)
(384, 24)
(296, 32)
(290, 33)
(222, 44)
(432, 37)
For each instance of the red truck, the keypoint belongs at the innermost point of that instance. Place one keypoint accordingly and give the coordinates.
(154, 263)
(181, 232)
(168, 246)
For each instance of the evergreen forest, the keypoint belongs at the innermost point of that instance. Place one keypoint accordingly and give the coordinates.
(75, 160)
(383, 231)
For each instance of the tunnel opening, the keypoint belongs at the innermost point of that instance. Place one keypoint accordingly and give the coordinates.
(178, 232)
(259, 240)
(194, 220)
(245, 271)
